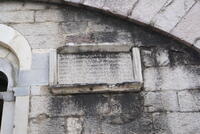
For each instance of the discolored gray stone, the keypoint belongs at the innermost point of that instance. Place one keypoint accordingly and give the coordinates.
(161, 101)
(177, 123)
(17, 17)
(47, 28)
(189, 100)
(148, 58)
(53, 15)
(166, 78)
(45, 125)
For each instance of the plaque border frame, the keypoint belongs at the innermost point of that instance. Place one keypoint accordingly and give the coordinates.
(91, 88)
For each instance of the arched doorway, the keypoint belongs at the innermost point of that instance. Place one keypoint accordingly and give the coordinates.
(3, 88)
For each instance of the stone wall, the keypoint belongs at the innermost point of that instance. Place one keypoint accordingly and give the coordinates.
(168, 103)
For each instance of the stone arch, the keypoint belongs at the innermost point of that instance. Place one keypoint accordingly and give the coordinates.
(183, 25)
(13, 40)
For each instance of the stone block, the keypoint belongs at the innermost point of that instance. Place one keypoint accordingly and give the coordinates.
(160, 123)
(92, 125)
(94, 3)
(11, 5)
(162, 57)
(115, 6)
(99, 27)
(80, 38)
(33, 77)
(21, 114)
(145, 10)
(47, 28)
(161, 101)
(17, 17)
(40, 61)
(177, 78)
(177, 123)
(45, 125)
(54, 106)
(171, 13)
(188, 28)
(76, 105)
(148, 58)
(29, 5)
(123, 124)
(74, 125)
(54, 15)
(39, 90)
(189, 100)
(46, 41)
(73, 27)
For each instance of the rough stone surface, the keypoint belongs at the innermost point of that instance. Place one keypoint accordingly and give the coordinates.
(17, 17)
(161, 101)
(188, 28)
(74, 126)
(177, 123)
(189, 100)
(168, 66)
(114, 6)
(94, 3)
(53, 15)
(37, 29)
(171, 14)
(45, 125)
(147, 9)
(177, 78)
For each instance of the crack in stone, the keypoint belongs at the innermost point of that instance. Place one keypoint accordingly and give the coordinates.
(182, 18)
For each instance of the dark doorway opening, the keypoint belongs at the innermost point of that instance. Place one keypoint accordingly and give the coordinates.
(3, 88)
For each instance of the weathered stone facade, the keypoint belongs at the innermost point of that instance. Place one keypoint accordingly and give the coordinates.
(167, 104)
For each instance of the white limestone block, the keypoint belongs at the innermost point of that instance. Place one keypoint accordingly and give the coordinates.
(171, 14)
(121, 7)
(145, 10)
(17, 17)
(189, 28)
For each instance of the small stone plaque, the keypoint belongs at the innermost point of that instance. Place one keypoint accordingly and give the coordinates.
(78, 69)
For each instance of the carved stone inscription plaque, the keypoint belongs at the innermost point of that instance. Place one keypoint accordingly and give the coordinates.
(95, 68)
